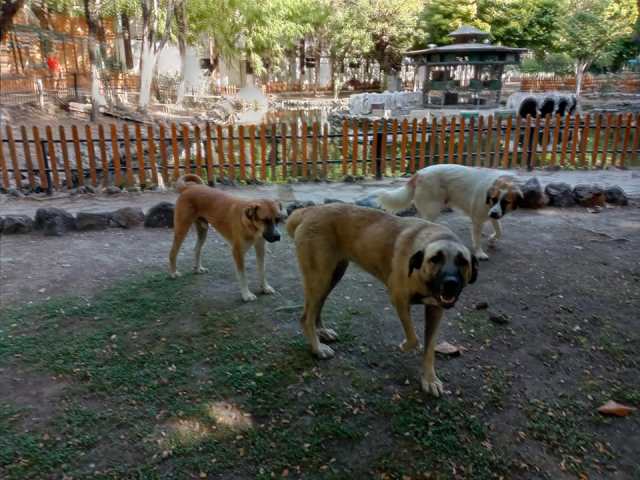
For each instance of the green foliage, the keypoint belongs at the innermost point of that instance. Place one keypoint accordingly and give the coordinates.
(558, 63)
(593, 26)
(440, 17)
(533, 24)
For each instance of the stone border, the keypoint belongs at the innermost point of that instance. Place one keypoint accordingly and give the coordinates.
(56, 222)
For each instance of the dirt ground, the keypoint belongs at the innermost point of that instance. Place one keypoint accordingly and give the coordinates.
(521, 399)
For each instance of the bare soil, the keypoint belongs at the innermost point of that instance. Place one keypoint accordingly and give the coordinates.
(568, 282)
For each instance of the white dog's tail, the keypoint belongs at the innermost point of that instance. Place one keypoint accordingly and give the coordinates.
(399, 198)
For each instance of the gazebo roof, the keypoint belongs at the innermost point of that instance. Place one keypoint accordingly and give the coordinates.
(467, 41)
(467, 47)
(468, 30)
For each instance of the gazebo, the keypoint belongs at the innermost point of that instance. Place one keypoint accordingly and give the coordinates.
(466, 74)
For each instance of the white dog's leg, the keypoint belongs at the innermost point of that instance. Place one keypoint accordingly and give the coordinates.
(430, 381)
(260, 249)
(476, 237)
(497, 232)
(429, 211)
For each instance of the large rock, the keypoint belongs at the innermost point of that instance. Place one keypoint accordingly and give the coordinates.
(54, 227)
(12, 224)
(369, 201)
(533, 196)
(560, 194)
(408, 212)
(46, 215)
(127, 217)
(589, 195)
(112, 190)
(160, 215)
(293, 206)
(332, 200)
(616, 196)
(92, 221)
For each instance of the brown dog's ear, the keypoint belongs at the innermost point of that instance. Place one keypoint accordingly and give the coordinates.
(475, 264)
(415, 262)
(251, 212)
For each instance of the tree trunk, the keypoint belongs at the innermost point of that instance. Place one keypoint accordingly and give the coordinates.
(317, 58)
(148, 61)
(90, 12)
(181, 22)
(7, 12)
(581, 67)
(152, 45)
(126, 36)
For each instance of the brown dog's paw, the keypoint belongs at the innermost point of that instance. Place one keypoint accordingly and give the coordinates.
(199, 270)
(324, 352)
(408, 346)
(327, 335)
(433, 386)
(174, 275)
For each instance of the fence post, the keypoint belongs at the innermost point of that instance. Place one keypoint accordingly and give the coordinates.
(379, 153)
(45, 158)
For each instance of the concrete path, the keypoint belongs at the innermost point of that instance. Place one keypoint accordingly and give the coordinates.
(629, 180)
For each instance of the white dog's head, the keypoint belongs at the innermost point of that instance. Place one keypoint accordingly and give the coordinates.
(503, 197)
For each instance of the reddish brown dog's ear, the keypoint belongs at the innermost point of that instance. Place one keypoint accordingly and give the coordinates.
(251, 212)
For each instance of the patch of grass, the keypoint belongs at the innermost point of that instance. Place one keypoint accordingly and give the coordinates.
(497, 385)
(138, 378)
(563, 427)
(453, 433)
(475, 325)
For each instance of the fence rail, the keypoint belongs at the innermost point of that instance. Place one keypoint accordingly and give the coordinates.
(137, 155)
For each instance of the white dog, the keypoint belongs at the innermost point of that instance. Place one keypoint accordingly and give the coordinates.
(482, 194)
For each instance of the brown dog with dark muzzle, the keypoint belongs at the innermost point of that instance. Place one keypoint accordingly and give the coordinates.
(419, 262)
(242, 222)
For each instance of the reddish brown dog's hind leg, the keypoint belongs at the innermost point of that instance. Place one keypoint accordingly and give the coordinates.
(328, 334)
(180, 230)
(201, 229)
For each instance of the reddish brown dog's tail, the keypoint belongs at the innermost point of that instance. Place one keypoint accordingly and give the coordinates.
(295, 219)
(186, 180)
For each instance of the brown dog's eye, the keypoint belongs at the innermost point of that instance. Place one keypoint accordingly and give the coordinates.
(437, 258)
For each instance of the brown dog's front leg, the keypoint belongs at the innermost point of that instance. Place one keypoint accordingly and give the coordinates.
(238, 257)
(403, 309)
(430, 382)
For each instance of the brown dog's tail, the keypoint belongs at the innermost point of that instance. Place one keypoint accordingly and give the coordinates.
(295, 219)
(186, 180)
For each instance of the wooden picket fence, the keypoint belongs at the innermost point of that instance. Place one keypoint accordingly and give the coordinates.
(148, 155)
(628, 84)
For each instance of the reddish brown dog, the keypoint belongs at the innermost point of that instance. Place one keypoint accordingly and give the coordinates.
(242, 222)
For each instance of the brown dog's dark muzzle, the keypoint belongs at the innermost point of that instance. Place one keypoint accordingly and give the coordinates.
(271, 233)
(447, 288)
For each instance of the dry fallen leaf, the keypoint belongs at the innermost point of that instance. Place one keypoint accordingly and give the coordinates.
(615, 409)
(446, 348)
